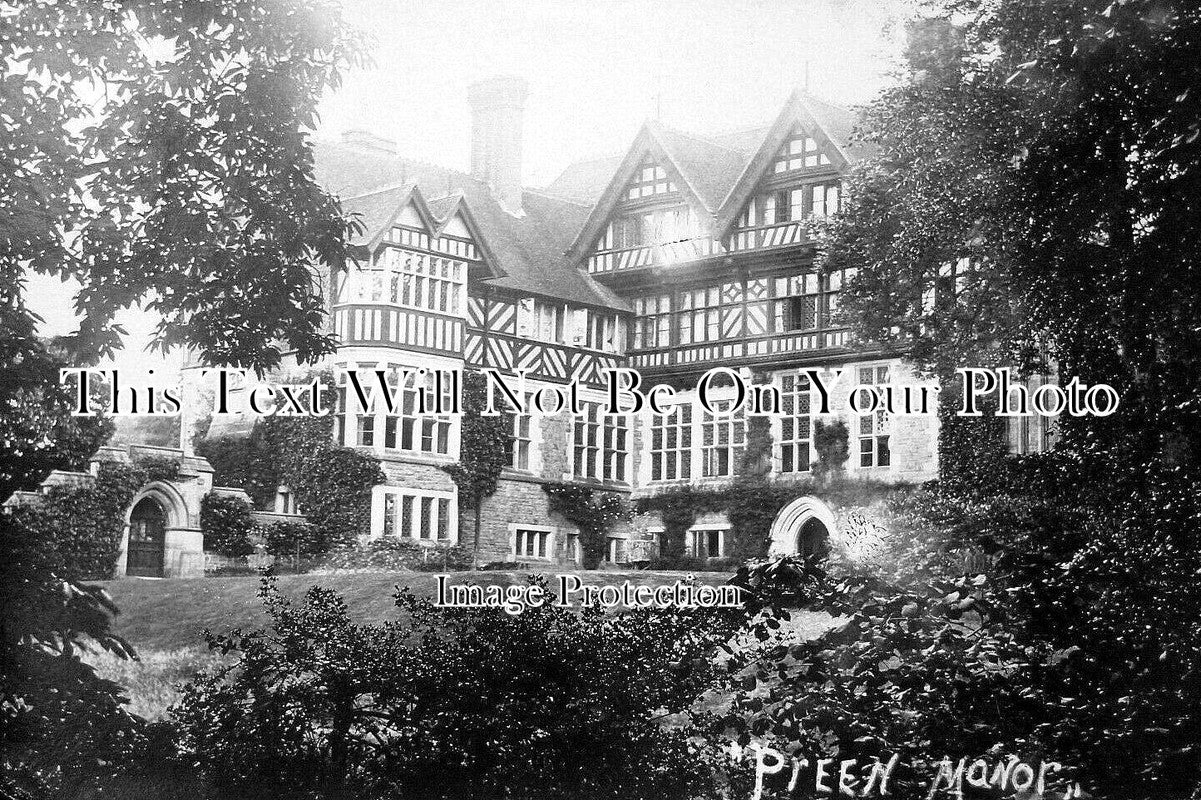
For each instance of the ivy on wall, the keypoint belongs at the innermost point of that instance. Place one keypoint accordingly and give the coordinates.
(484, 451)
(831, 440)
(332, 484)
(750, 505)
(82, 525)
(594, 514)
(226, 522)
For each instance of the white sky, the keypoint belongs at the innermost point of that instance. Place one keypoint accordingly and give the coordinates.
(596, 68)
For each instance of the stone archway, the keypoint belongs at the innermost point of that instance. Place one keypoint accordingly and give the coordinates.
(805, 526)
(158, 520)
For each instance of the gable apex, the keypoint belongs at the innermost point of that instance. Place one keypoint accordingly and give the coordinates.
(658, 144)
(826, 129)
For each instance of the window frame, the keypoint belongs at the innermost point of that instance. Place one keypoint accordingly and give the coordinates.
(392, 516)
(873, 431)
(544, 538)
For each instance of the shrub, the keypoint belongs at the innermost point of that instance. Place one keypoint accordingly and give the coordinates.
(64, 727)
(449, 703)
(291, 538)
(226, 521)
(395, 555)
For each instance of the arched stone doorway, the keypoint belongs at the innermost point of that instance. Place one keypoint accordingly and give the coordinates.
(162, 535)
(805, 527)
(147, 539)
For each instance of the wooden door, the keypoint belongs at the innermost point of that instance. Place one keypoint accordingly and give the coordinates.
(147, 529)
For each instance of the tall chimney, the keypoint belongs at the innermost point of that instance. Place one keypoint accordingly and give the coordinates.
(496, 106)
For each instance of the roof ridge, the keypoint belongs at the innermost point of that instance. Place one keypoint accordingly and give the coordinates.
(543, 193)
(698, 137)
(389, 188)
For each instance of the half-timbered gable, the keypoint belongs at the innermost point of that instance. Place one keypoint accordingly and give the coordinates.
(793, 179)
(657, 210)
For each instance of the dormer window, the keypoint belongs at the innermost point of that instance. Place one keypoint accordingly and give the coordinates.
(800, 151)
(651, 179)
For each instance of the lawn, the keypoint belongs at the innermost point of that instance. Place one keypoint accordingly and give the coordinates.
(170, 613)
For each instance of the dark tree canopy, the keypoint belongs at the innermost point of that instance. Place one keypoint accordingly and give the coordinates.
(1034, 195)
(160, 152)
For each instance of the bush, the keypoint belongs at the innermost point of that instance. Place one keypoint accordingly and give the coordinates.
(291, 538)
(1079, 645)
(226, 521)
(396, 555)
(451, 703)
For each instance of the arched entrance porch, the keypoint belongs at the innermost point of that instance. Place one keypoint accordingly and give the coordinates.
(803, 527)
(161, 538)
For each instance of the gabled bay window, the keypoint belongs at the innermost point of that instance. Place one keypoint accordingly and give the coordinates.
(406, 278)
(654, 226)
(792, 204)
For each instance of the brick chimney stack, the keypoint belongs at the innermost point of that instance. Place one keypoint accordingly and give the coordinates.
(496, 109)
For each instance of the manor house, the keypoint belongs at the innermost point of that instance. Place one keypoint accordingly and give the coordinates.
(686, 252)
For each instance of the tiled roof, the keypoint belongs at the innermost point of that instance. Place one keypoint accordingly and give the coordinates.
(529, 249)
(708, 167)
(584, 180)
(376, 210)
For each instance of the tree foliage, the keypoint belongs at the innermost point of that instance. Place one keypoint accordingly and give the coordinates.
(186, 177)
(1033, 198)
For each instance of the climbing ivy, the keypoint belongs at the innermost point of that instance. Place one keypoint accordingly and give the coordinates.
(750, 504)
(484, 451)
(831, 441)
(226, 521)
(332, 484)
(80, 526)
(595, 515)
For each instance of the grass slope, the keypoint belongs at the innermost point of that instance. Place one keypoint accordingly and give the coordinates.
(170, 614)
